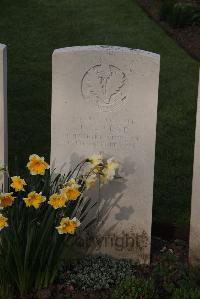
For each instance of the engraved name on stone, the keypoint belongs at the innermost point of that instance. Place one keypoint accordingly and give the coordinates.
(83, 132)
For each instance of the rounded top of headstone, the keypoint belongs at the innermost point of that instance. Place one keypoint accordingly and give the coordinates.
(106, 48)
(2, 46)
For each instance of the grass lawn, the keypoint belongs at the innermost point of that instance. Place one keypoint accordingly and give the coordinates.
(33, 29)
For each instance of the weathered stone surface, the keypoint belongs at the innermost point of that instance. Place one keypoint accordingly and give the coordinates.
(194, 250)
(3, 112)
(104, 99)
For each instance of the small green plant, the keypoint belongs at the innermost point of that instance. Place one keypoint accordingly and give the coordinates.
(195, 18)
(169, 273)
(137, 288)
(184, 14)
(97, 272)
(179, 14)
(186, 294)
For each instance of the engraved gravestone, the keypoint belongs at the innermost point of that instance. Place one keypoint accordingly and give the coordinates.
(194, 248)
(104, 99)
(3, 112)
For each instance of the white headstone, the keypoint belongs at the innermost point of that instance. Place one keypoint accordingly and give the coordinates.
(104, 99)
(3, 113)
(194, 249)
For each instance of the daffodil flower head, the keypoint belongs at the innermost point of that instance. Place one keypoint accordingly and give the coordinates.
(96, 159)
(3, 222)
(71, 192)
(112, 163)
(90, 180)
(57, 201)
(34, 199)
(37, 165)
(68, 226)
(17, 183)
(72, 182)
(6, 200)
(109, 171)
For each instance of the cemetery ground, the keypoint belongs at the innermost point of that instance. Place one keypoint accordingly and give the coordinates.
(42, 26)
(102, 277)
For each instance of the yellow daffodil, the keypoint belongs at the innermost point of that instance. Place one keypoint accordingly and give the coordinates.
(34, 199)
(17, 183)
(3, 222)
(112, 164)
(68, 226)
(72, 182)
(37, 165)
(6, 200)
(90, 181)
(57, 201)
(71, 192)
(95, 159)
(109, 170)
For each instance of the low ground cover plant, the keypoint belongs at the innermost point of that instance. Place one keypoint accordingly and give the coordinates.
(38, 221)
(97, 272)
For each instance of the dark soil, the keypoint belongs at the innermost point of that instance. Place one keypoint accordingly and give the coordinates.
(187, 37)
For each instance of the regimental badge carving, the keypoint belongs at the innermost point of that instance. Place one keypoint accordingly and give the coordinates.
(104, 86)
